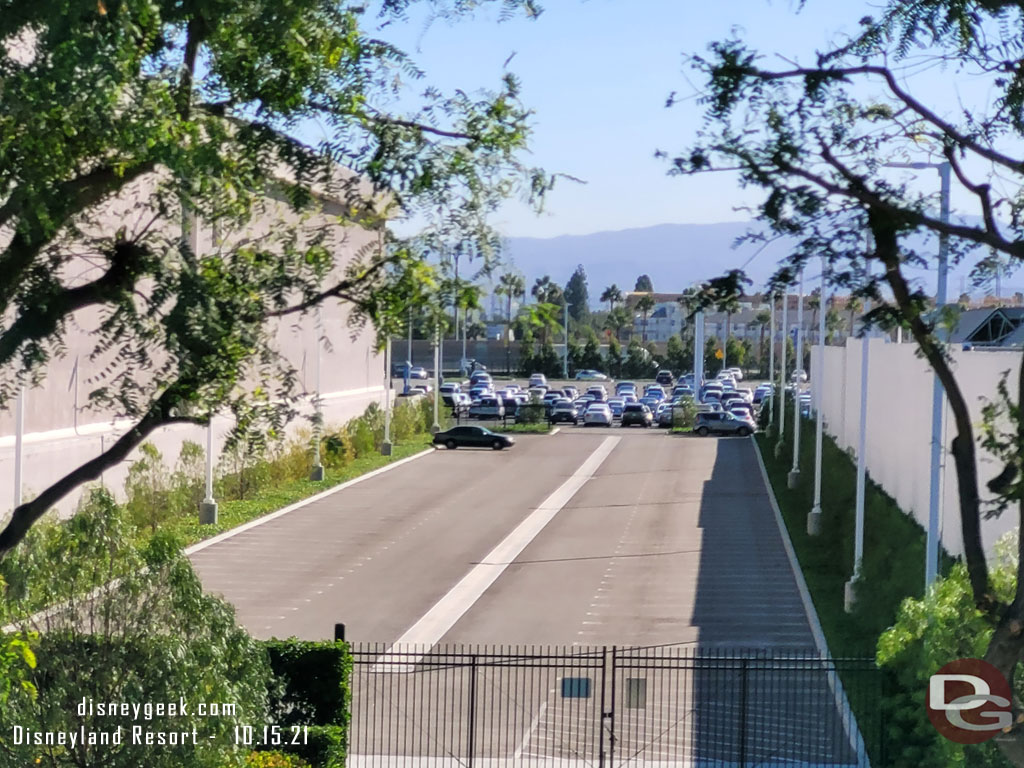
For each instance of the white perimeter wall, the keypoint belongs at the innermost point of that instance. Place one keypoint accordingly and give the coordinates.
(898, 443)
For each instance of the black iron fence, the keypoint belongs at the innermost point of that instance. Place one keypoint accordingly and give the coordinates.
(664, 706)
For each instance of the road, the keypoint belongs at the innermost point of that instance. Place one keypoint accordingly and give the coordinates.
(671, 540)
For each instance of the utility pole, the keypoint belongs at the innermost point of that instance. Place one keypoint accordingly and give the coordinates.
(794, 473)
(850, 592)
(385, 447)
(782, 374)
(818, 386)
(436, 426)
(317, 473)
(565, 357)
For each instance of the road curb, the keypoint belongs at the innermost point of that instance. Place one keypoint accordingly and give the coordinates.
(850, 721)
(199, 546)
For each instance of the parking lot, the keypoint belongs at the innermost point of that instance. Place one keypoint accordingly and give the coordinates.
(497, 406)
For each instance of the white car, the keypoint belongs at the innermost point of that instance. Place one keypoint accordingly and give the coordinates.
(599, 414)
(736, 373)
(588, 375)
(798, 375)
(538, 380)
(487, 408)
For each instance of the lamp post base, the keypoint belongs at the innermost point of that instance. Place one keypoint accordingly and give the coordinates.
(778, 449)
(435, 428)
(850, 595)
(207, 513)
(793, 479)
(317, 473)
(385, 448)
(814, 522)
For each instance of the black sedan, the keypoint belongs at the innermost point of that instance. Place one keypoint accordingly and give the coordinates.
(473, 437)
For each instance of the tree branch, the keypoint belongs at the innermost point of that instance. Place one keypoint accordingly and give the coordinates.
(339, 290)
(27, 514)
(948, 129)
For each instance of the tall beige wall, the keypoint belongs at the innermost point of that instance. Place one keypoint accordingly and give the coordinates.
(61, 432)
(899, 415)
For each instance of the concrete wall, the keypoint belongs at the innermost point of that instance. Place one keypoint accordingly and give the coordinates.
(61, 430)
(898, 442)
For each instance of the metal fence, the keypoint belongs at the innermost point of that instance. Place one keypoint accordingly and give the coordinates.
(650, 707)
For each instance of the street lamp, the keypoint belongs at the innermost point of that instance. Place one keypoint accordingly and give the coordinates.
(771, 346)
(933, 542)
(794, 473)
(850, 592)
(317, 473)
(818, 384)
(782, 373)
(565, 357)
(385, 447)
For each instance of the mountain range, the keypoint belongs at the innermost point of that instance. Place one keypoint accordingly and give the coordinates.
(673, 255)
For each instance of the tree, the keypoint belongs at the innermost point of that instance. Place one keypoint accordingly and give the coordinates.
(511, 286)
(644, 285)
(676, 357)
(476, 330)
(814, 304)
(763, 319)
(618, 319)
(612, 295)
(542, 318)
(147, 630)
(179, 112)
(854, 306)
(644, 306)
(817, 147)
(615, 359)
(547, 292)
(577, 296)
(833, 324)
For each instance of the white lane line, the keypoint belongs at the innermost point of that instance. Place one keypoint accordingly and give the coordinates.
(533, 727)
(450, 608)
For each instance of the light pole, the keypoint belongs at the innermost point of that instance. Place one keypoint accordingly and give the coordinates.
(208, 506)
(771, 345)
(565, 357)
(933, 542)
(794, 473)
(818, 384)
(782, 374)
(19, 444)
(317, 473)
(385, 446)
(850, 592)
(698, 352)
(436, 426)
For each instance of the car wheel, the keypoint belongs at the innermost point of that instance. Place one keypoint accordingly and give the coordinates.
(702, 431)
(497, 445)
(743, 432)
(451, 445)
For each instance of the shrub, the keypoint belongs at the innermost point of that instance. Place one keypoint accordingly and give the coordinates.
(684, 415)
(314, 682)
(147, 634)
(275, 759)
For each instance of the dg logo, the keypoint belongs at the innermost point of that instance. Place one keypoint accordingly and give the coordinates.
(969, 701)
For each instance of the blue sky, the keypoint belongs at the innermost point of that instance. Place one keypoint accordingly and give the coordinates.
(597, 73)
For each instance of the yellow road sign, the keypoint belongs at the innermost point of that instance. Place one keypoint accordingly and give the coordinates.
(718, 354)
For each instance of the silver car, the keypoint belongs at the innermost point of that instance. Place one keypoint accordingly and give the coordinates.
(598, 414)
(722, 424)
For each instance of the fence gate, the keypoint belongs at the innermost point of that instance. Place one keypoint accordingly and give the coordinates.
(488, 707)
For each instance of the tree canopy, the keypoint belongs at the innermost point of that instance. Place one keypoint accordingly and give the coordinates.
(644, 284)
(577, 295)
(186, 112)
(819, 141)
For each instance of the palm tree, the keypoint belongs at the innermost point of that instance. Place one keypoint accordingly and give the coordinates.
(612, 295)
(616, 320)
(855, 306)
(763, 320)
(543, 316)
(546, 291)
(729, 305)
(814, 303)
(513, 286)
(644, 305)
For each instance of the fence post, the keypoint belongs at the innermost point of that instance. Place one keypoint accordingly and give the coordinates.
(472, 709)
(600, 725)
(743, 713)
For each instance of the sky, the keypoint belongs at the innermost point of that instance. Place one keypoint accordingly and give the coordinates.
(597, 74)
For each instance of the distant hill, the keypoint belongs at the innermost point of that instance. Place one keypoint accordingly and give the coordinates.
(674, 255)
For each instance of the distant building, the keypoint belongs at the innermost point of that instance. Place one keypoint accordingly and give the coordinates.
(1001, 328)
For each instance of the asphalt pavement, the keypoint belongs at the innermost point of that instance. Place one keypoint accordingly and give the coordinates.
(662, 539)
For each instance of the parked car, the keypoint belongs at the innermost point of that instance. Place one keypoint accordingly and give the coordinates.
(721, 423)
(616, 404)
(665, 378)
(589, 375)
(538, 380)
(481, 377)
(598, 414)
(682, 389)
(744, 415)
(736, 373)
(664, 417)
(398, 370)
(473, 437)
(630, 397)
(599, 392)
(537, 393)
(511, 405)
(637, 413)
(570, 392)
(624, 385)
(418, 372)
(650, 401)
(487, 408)
(798, 375)
(479, 391)
(449, 387)
(552, 395)
(564, 411)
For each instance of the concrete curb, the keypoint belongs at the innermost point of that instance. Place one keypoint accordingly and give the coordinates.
(850, 720)
(199, 546)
